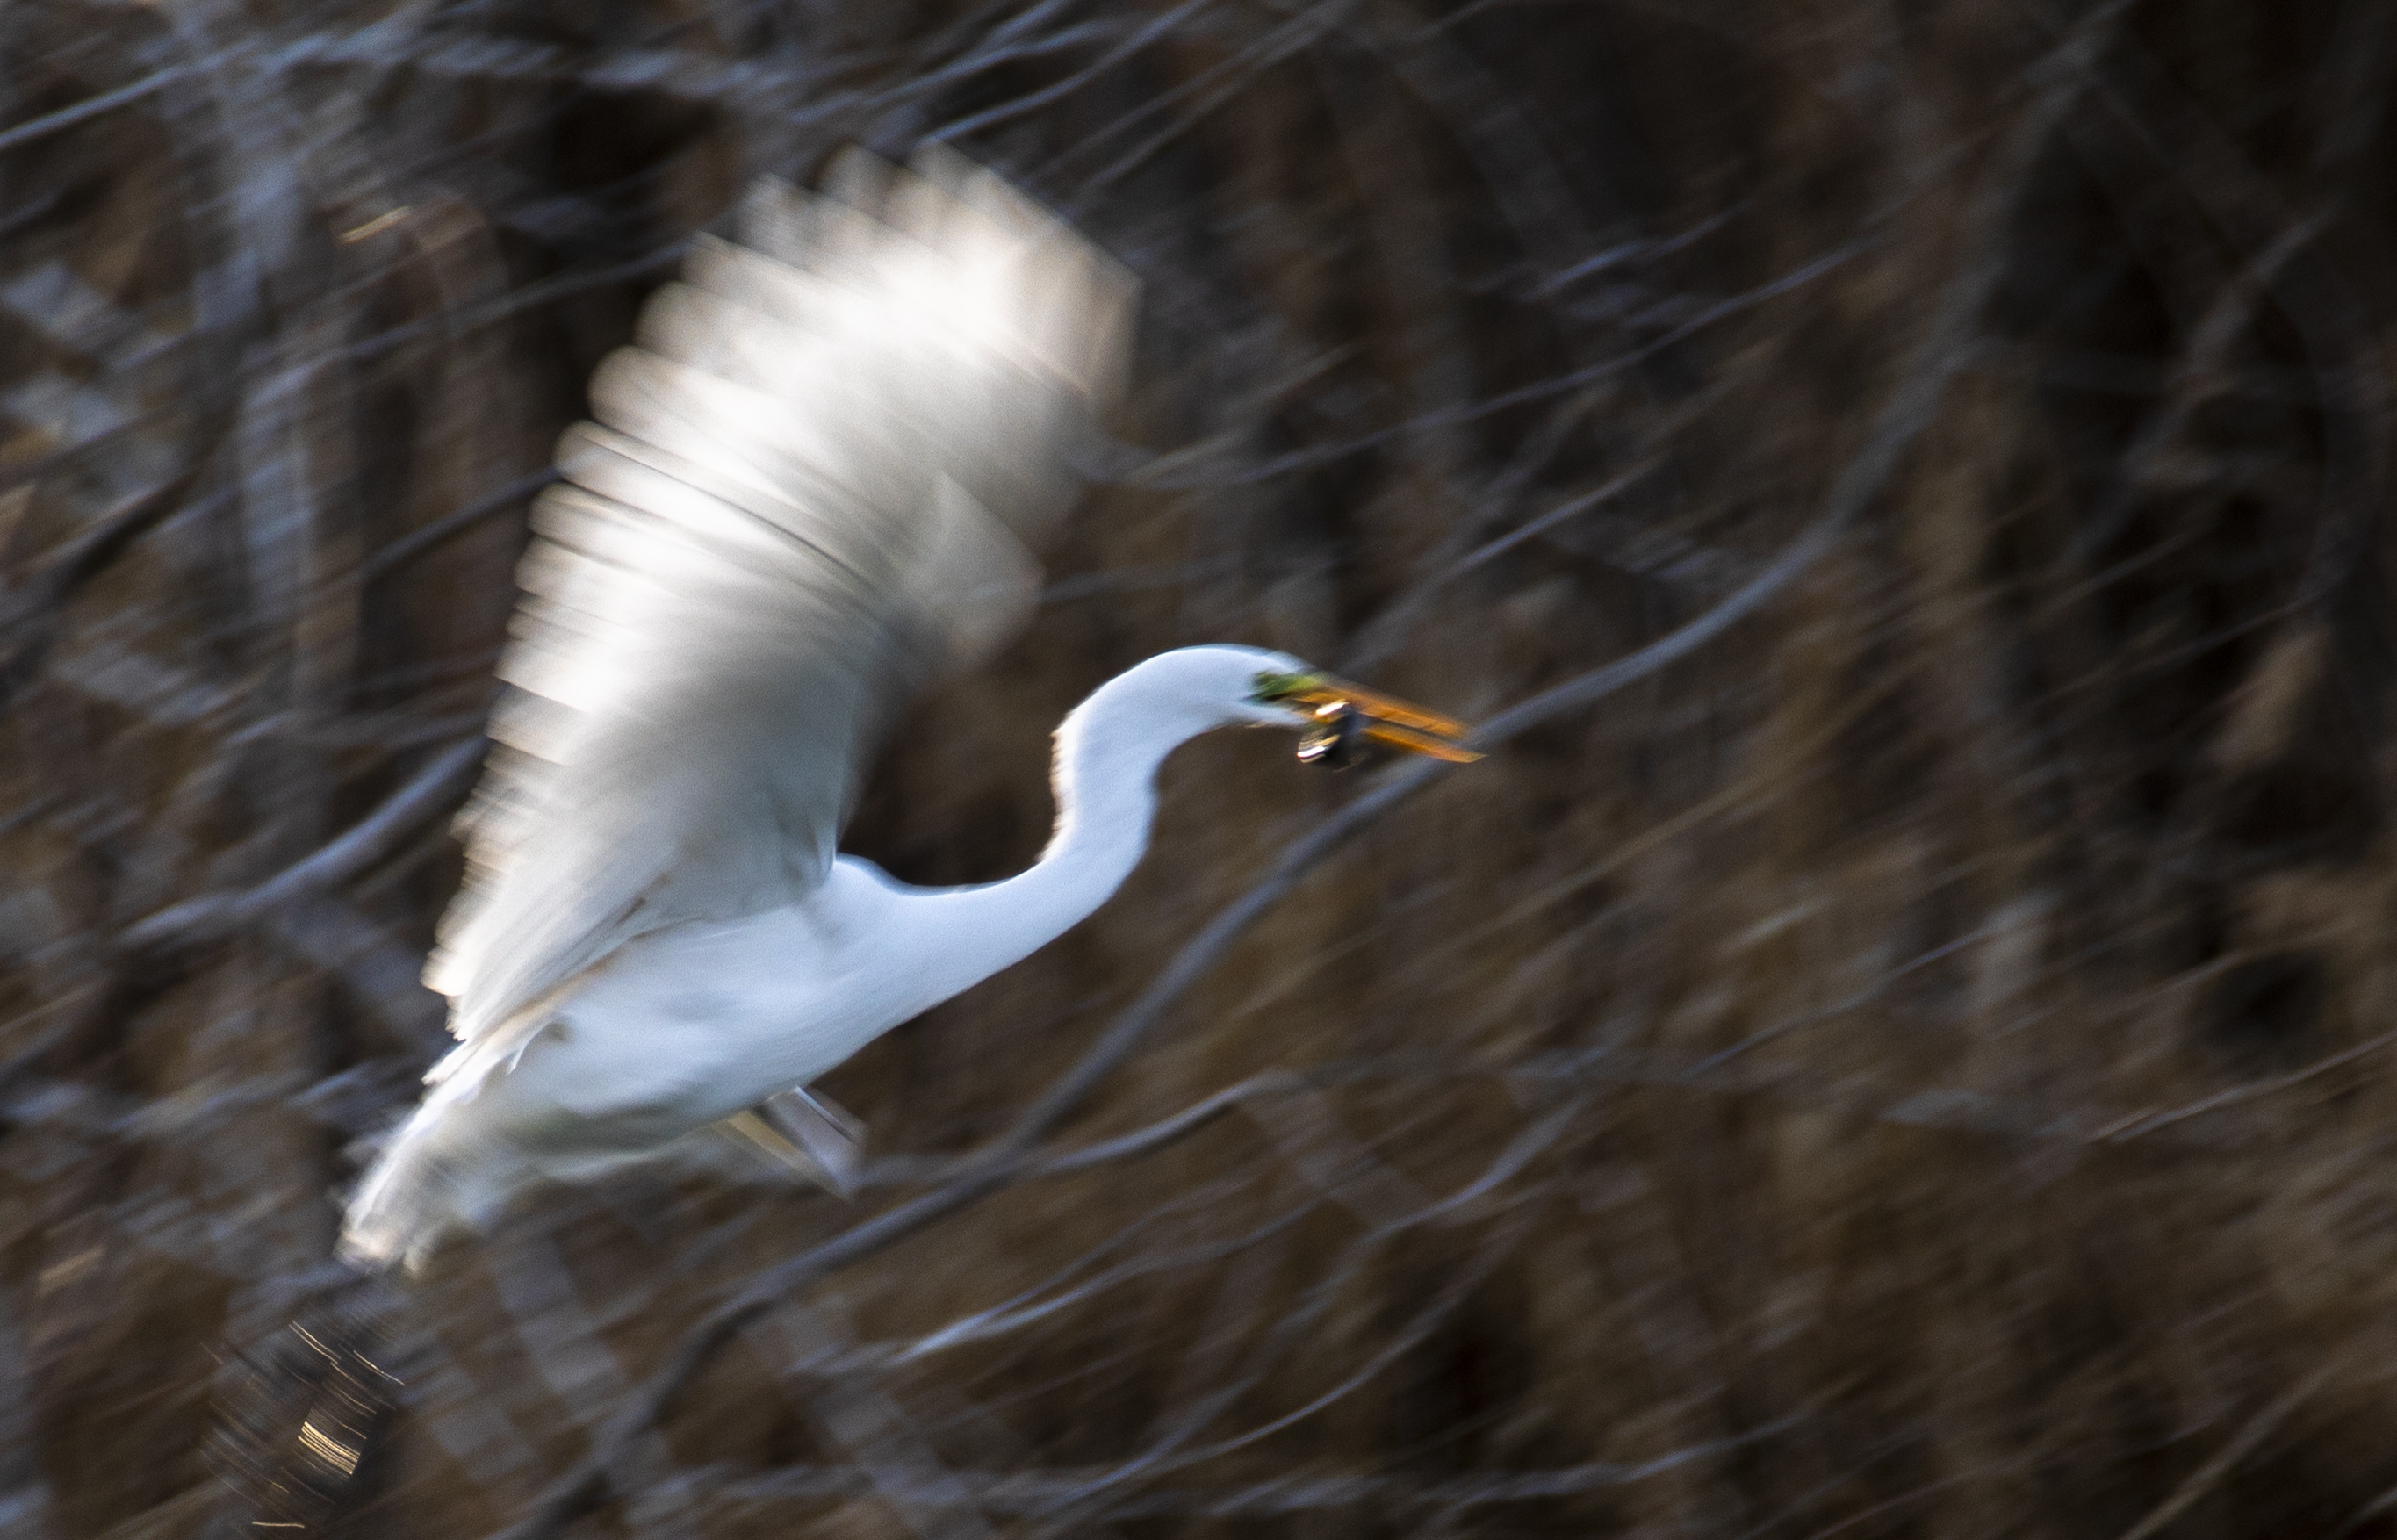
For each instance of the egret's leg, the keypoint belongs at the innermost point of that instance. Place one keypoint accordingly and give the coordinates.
(807, 1133)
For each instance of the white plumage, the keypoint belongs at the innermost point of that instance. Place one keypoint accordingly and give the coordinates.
(812, 487)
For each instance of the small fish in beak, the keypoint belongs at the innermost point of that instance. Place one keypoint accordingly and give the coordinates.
(1332, 744)
(1348, 715)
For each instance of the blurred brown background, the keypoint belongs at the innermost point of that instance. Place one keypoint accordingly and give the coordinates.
(1914, 1063)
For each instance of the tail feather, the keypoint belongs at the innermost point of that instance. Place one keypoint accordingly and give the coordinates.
(435, 1175)
(401, 1207)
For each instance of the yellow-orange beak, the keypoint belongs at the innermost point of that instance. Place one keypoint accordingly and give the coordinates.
(1384, 718)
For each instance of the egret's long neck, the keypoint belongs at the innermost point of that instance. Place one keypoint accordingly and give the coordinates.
(1108, 751)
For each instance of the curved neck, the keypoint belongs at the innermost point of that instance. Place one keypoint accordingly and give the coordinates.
(1105, 775)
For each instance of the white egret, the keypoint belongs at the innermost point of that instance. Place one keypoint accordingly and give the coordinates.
(809, 493)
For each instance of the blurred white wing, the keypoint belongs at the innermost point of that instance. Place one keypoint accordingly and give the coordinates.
(810, 489)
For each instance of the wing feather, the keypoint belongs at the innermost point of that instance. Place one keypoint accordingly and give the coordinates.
(812, 486)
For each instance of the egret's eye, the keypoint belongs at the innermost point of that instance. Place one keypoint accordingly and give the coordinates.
(1334, 743)
(1268, 687)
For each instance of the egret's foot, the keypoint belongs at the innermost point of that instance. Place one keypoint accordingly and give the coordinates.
(297, 1424)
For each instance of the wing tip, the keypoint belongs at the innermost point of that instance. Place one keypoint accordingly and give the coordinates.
(1075, 304)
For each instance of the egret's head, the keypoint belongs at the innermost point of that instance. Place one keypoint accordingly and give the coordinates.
(1333, 717)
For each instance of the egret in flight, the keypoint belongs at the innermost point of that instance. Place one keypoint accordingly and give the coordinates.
(812, 488)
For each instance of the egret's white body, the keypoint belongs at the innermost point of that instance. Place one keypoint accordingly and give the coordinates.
(808, 494)
(682, 1027)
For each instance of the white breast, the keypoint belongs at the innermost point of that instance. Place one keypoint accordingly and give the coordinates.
(695, 1022)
